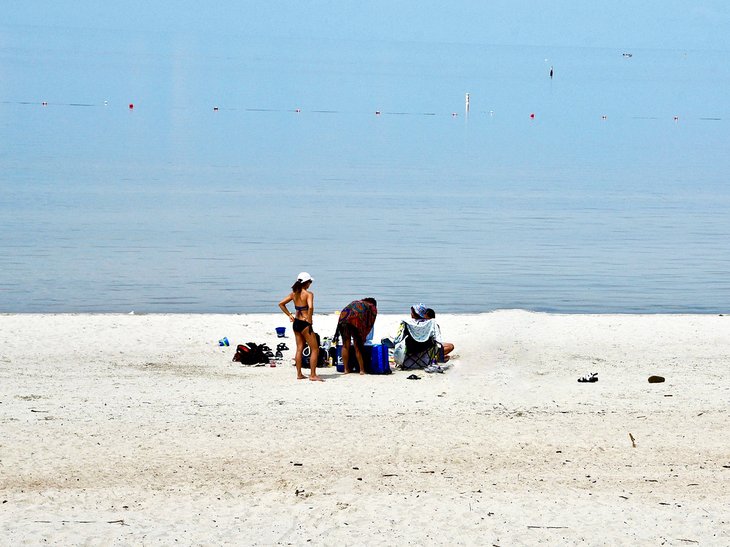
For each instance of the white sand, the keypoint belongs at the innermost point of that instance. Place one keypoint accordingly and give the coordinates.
(134, 430)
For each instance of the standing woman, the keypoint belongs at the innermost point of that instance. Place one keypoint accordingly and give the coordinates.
(302, 324)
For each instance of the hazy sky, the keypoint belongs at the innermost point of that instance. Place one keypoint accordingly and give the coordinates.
(620, 23)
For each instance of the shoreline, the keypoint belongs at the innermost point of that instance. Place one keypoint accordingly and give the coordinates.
(466, 313)
(123, 428)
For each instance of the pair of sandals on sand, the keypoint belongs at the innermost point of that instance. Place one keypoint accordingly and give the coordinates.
(278, 356)
(279, 349)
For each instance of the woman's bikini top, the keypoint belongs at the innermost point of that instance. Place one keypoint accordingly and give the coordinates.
(301, 308)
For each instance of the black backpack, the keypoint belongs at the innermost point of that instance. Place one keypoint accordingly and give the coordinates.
(250, 354)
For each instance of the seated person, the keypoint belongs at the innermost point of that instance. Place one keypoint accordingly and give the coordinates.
(446, 347)
(419, 333)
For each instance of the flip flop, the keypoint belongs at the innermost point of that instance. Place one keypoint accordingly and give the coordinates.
(413, 377)
(282, 347)
(592, 377)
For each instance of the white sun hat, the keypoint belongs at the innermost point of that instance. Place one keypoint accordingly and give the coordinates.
(304, 277)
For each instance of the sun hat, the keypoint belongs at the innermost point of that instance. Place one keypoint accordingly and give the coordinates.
(420, 310)
(304, 277)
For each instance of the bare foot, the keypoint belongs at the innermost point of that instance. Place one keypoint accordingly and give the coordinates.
(362, 373)
(347, 371)
(316, 379)
(301, 377)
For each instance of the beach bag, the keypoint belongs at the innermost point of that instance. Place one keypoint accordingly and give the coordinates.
(250, 354)
(321, 356)
(399, 353)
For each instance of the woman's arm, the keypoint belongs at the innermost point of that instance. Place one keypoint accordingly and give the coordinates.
(310, 303)
(282, 306)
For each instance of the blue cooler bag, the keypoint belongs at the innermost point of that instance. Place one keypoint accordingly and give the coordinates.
(379, 360)
(375, 358)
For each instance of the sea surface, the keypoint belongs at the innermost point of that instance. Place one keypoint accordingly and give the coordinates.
(247, 160)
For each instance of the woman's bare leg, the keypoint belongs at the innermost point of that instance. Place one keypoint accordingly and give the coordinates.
(358, 354)
(448, 348)
(298, 355)
(313, 354)
(346, 353)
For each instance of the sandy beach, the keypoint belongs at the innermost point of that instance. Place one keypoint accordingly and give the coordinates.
(138, 429)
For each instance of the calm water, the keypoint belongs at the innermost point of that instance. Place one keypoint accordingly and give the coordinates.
(175, 207)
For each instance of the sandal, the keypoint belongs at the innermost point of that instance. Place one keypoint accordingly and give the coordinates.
(592, 377)
(282, 347)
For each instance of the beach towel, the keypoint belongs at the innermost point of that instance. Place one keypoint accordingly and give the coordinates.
(421, 330)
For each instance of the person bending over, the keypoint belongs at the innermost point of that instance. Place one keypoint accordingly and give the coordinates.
(355, 322)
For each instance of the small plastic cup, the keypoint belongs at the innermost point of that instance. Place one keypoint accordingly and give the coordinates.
(281, 332)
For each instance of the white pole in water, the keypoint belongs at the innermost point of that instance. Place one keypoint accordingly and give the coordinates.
(466, 106)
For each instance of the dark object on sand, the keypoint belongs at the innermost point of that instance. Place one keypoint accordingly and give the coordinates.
(656, 379)
(413, 377)
(252, 354)
(591, 377)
